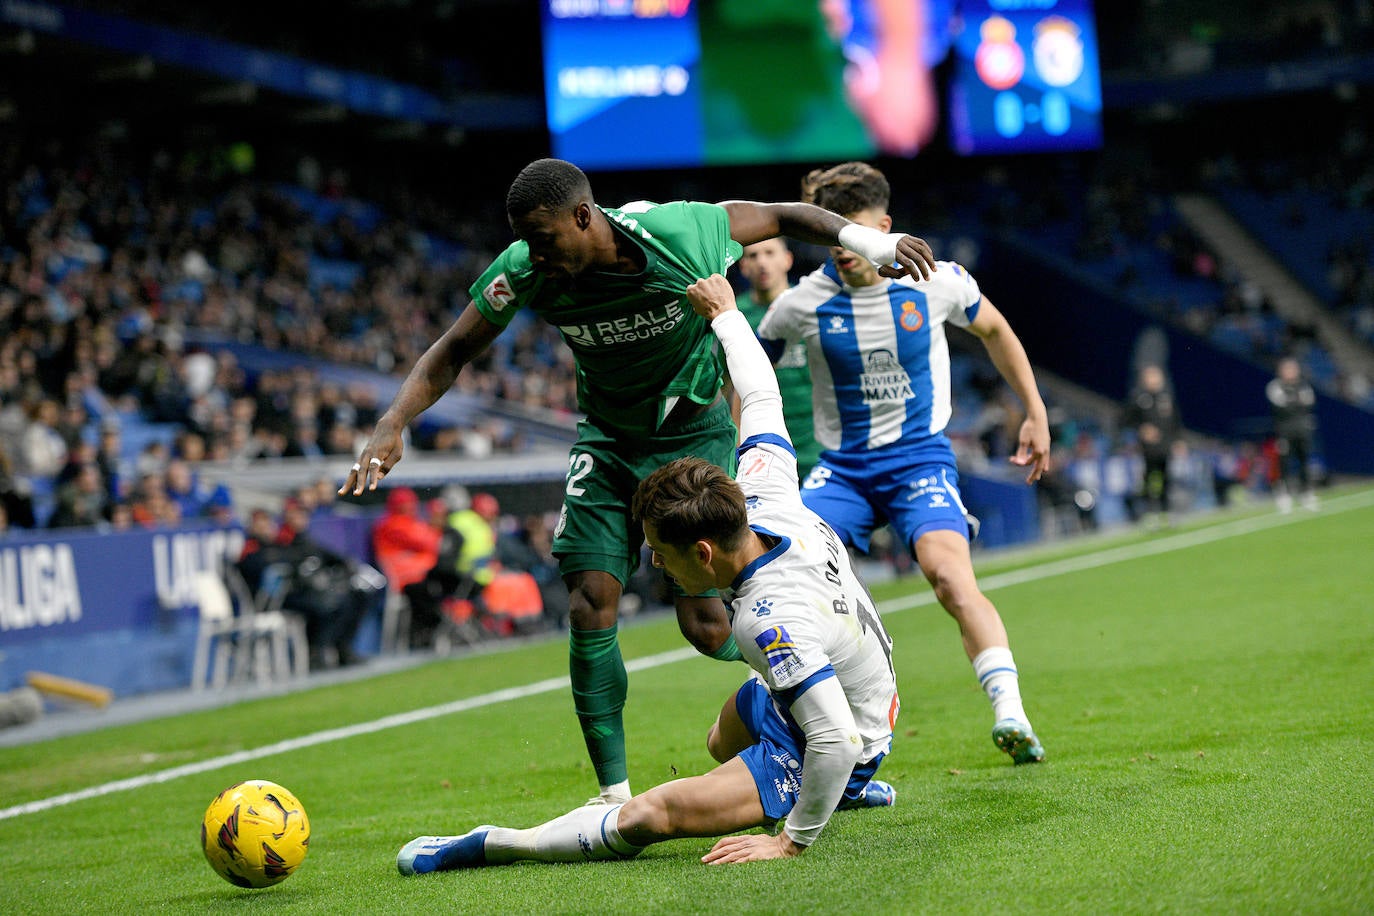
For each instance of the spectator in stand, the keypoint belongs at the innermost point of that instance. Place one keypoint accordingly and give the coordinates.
(151, 506)
(1153, 416)
(405, 545)
(320, 584)
(82, 502)
(295, 521)
(71, 425)
(340, 439)
(189, 447)
(326, 589)
(511, 596)
(219, 508)
(121, 517)
(110, 457)
(321, 495)
(304, 442)
(1295, 427)
(44, 451)
(184, 488)
(15, 496)
(260, 532)
(363, 398)
(152, 459)
(441, 585)
(79, 455)
(474, 520)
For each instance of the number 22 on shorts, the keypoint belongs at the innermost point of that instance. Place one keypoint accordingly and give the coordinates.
(579, 466)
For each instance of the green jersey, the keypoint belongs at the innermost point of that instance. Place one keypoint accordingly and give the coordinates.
(639, 346)
(794, 382)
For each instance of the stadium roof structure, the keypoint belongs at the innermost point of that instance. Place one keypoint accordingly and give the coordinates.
(152, 60)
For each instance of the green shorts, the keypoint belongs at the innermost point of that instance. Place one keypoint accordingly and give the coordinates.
(595, 529)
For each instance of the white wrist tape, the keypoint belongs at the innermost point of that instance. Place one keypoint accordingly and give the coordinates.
(878, 247)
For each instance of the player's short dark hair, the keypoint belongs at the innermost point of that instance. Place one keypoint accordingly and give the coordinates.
(551, 183)
(847, 188)
(690, 499)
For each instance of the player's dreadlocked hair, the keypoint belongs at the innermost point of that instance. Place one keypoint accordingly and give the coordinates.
(690, 499)
(847, 188)
(550, 183)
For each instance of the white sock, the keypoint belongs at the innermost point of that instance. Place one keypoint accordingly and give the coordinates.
(996, 671)
(620, 790)
(583, 834)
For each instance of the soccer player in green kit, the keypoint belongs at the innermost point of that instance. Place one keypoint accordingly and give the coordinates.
(649, 374)
(765, 265)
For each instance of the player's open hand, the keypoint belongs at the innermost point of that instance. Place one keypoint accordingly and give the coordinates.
(914, 257)
(375, 461)
(1033, 448)
(711, 296)
(752, 847)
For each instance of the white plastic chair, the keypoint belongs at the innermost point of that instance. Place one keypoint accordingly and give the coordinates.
(250, 635)
(220, 629)
(275, 626)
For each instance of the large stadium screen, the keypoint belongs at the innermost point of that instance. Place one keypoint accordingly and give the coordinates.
(1025, 77)
(649, 83)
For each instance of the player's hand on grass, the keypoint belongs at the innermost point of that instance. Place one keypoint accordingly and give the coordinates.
(375, 461)
(711, 296)
(1033, 448)
(752, 847)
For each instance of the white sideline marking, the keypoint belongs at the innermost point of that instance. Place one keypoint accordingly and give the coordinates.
(1096, 560)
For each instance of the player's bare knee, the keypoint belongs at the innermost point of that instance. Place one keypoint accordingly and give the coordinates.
(593, 604)
(954, 589)
(644, 819)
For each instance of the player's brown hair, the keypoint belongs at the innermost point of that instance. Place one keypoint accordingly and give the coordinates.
(847, 188)
(689, 500)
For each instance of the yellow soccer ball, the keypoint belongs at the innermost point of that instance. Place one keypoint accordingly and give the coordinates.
(255, 833)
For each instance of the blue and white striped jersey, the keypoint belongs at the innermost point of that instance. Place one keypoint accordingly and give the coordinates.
(878, 355)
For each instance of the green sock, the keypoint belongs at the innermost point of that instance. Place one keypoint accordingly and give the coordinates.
(599, 685)
(728, 651)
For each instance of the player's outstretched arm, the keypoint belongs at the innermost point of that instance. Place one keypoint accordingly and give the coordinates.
(1004, 347)
(433, 374)
(752, 222)
(833, 748)
(751, 371)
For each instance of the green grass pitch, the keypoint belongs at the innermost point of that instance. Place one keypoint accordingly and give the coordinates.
(1206, 697)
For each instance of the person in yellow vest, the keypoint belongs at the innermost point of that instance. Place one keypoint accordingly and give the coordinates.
(474, 519)
(510, 601)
